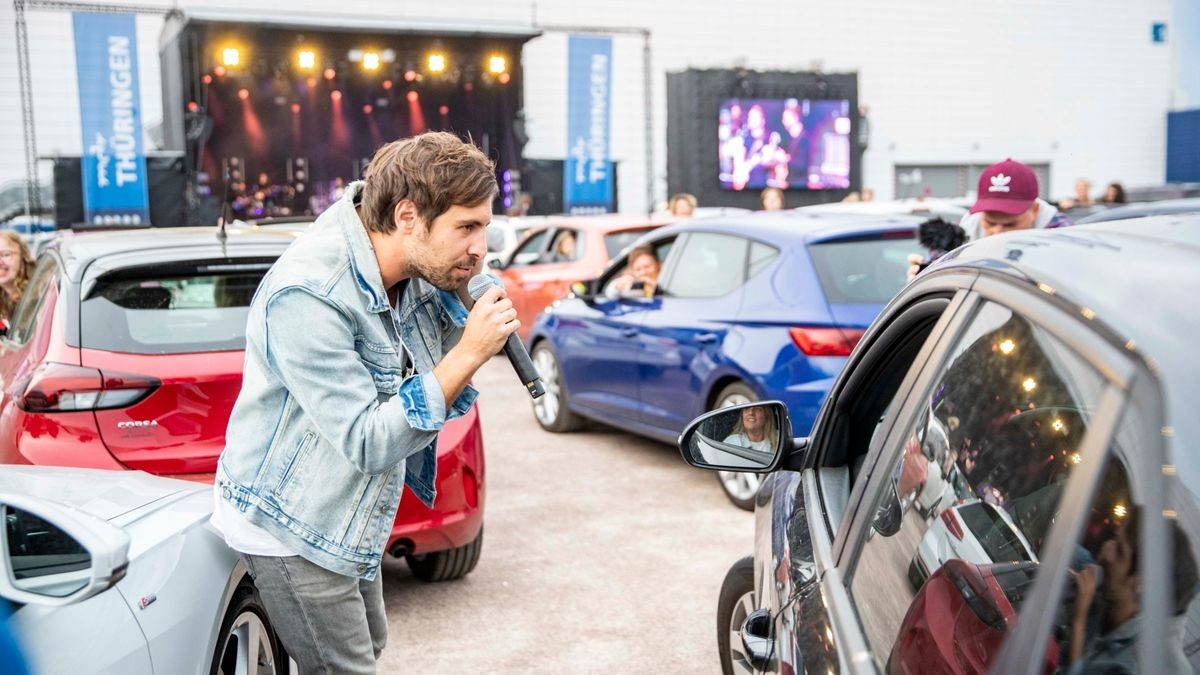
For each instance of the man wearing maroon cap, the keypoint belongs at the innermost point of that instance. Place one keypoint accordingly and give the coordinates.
(1008, 200)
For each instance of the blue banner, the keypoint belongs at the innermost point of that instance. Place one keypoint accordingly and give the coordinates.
(587, 172)
(114, 162)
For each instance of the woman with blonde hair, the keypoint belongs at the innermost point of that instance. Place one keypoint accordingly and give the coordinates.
(16, 264)
(756, 428)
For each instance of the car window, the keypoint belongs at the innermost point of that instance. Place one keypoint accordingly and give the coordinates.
(615, 242)
(496, 239)
(968, 499)
(761, 255)
(197, 308)
(867, 270)
(710, 265)
(29, 307)
(530, 250)
(662, 248)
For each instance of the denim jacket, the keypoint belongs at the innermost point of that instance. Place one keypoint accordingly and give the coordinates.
(327, 429)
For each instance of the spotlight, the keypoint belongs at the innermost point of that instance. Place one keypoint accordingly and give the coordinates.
(469, 86)
(219, 71)
(330, 73)
(243, 94)
(207, 79)
(497, 64)
(504, 78)
(231, 56)
(367, 109)
(444, 110)
(192, 106)
(437, 63)
(295, 107)
(410, 75)
(387, 84)
(335, 95)
(413, 96)
(370, 61)
(311, 82)
(306, 59)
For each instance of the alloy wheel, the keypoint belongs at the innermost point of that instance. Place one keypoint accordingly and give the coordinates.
(247, 648)
(547, 406)
(737, 657)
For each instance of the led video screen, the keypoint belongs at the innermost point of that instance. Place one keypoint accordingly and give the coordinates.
(789, 143)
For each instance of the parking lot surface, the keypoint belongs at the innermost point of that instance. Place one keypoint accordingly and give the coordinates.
(603, 553)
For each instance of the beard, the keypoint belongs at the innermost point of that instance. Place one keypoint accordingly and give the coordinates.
(443, 276)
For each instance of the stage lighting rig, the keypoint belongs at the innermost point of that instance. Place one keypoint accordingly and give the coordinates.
(497, 64)
(370, 61)
(437, 63)
(231, 57)
(306, 59)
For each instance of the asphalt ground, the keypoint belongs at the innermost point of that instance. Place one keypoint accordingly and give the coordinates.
(603, 553)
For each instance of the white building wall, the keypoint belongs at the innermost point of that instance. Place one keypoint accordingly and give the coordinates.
(1074, 83)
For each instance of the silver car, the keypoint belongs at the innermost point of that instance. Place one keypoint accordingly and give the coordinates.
(120, 572)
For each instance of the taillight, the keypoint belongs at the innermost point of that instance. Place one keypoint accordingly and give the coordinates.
(58, 387)
(826, 341)
(952, 524)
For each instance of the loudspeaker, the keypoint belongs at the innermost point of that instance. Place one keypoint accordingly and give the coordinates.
(166, 183)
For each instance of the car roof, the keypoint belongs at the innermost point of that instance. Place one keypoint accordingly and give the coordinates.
(608, 222)
(799, 224)
(1137, 279)
(80, 248)
(1141, 209)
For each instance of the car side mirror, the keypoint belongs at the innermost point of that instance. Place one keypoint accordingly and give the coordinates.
(888, 515)
(495, 263)
(54, 555)
(751, 437)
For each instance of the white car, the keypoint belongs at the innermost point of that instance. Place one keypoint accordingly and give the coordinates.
(977, 532)
(504, 233)
(120, 572)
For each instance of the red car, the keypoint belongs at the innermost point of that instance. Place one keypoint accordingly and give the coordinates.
(958, 620)
(126, 352)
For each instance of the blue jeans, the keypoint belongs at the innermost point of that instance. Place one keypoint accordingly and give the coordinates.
(328, 622)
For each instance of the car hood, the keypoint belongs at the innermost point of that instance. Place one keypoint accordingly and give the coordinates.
(107, 495)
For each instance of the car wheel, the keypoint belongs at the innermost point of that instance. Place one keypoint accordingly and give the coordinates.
(448, 565)
(247, 643)
(551, 408)
(737, 602)
(739, 487)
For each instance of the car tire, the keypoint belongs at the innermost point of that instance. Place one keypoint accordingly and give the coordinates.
(740, 487)
(447, 565)
(245, 620)
(736, 602)
(550, 409)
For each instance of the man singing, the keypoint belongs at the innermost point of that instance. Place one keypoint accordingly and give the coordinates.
(359, 347)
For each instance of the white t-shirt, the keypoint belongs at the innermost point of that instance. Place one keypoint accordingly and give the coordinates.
(242, 535)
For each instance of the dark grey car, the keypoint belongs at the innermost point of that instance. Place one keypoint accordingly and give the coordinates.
(1060, 371)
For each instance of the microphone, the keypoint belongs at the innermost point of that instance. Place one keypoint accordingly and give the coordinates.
(513, 348)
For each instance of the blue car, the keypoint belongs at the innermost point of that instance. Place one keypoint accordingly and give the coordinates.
(750, 307)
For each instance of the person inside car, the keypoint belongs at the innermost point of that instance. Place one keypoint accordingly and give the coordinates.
(640, 278)
(682, 205)
(16, 263)
(1118, 578)
(564, 247)
(755, 429)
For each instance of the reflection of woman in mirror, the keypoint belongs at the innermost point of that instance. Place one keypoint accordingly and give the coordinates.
(755, 429)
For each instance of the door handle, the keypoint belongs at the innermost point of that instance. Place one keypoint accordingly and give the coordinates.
(756, 639)
(629, 332)
(706, 338)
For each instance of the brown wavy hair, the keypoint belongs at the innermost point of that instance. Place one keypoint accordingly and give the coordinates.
(435, 170)
(24, 269)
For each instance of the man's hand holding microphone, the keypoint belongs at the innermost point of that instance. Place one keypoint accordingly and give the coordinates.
(491, 326)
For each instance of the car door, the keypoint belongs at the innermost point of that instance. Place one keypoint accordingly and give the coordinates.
(680, 338)
(600, 352)
(1025, 408)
